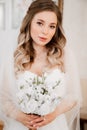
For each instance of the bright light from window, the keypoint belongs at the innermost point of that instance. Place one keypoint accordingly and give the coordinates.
(2, 20)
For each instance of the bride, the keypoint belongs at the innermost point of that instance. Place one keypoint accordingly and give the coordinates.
(41, 51)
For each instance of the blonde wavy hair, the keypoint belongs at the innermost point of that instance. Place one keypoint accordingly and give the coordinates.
(25, 52)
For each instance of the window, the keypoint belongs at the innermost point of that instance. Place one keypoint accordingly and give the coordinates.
(2, 15)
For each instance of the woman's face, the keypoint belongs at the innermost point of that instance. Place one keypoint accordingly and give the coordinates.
(43, 27)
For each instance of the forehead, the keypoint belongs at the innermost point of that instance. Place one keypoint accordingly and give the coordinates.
(46, 16)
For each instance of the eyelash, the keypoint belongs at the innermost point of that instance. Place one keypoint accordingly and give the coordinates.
(52, 27)
(40, 24)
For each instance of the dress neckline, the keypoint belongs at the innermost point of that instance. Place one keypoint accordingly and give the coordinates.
(46, 72)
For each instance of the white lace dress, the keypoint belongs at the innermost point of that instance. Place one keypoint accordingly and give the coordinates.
(60, 122)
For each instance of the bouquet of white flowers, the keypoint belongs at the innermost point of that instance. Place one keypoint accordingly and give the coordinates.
(36, 96)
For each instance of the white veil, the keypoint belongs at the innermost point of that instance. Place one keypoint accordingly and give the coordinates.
(7, 80)
(73, 89)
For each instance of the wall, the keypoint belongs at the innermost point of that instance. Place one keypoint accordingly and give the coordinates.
(75, 25)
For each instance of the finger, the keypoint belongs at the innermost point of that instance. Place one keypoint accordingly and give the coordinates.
(39, 124)
(39, 119)
(28, 122)
(30, 125)
(43, 122)
(31, 121)
(34, 116)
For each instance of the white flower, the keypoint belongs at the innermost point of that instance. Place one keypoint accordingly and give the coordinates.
(35, 95)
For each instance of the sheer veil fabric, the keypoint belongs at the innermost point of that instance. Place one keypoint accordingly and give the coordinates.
(73, 88)
(8, 105)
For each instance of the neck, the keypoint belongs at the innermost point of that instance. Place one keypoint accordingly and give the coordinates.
(39, 50)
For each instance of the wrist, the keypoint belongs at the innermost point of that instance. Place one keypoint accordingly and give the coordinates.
(55, 113)
(19, 116)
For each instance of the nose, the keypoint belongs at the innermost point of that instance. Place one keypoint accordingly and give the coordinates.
(45, 30)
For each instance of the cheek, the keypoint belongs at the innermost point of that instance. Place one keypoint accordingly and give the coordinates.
(52, 34)
(34, 31)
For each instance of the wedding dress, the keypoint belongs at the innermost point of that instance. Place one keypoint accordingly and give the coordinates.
(8, 102)
(60, 122)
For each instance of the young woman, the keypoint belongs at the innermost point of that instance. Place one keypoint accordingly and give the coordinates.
(41, 52)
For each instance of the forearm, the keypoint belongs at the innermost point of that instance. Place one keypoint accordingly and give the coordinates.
(64, 106)
(9, 109)
(7, 105)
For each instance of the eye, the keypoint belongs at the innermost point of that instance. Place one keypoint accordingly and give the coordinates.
(52, 27)
(40, 23)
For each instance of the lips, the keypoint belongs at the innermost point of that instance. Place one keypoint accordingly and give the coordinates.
(42, 38)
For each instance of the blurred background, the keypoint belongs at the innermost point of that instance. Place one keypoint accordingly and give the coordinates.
(74, 23)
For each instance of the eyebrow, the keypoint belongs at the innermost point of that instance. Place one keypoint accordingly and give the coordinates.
(44, 21)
